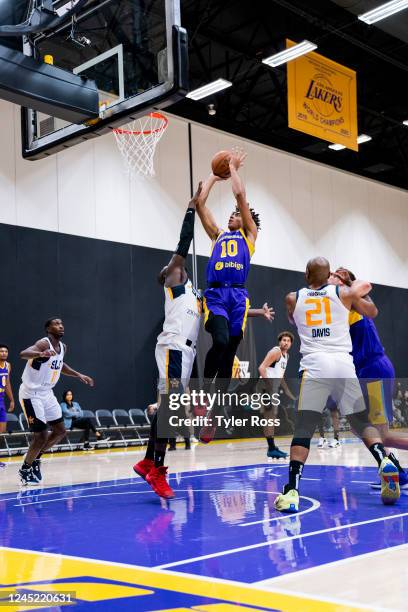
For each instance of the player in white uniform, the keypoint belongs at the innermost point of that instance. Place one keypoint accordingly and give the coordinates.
(175, 350)
(321, 315)
(272, 372)
(45, 364)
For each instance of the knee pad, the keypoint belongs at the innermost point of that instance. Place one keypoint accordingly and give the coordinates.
(306, 423)
(305, 442)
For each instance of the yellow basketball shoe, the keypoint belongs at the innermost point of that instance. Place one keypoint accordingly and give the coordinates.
(389, 475)
(287, 502)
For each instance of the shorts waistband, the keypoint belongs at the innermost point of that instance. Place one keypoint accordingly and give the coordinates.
(219, 285)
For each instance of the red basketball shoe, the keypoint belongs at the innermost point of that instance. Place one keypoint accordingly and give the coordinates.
(157, 479)
(207, 432)
(143, 467)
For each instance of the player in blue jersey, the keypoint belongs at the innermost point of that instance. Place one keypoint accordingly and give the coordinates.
(375, 371)
(226, 301)
(5, 389)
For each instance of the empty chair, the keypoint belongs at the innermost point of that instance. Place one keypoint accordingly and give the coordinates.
(105, 421)
(128, 430)
(140, 421)
(104, 418)
(138, 417)
(16, 438)
(122, 418)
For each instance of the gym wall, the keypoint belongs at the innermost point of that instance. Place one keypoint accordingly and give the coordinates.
(79, 239)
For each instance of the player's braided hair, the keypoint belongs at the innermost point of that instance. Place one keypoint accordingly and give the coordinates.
(255, 217)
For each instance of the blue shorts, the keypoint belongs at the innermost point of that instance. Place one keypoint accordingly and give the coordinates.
(229, 302)
(3, 413)
(377, 383)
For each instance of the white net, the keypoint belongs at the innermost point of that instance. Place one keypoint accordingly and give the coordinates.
(137, 142)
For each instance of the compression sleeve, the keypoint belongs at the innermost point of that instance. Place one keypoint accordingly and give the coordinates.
(186, 234)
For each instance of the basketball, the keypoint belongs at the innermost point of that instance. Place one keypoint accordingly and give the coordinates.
(220, 164)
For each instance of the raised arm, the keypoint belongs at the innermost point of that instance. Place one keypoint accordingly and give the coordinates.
(366, 307)
(351, 296)
(206, 216)
(238, 189)
(175, 273)
(290, 302)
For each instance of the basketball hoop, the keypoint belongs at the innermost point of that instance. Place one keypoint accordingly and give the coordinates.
(137, 142)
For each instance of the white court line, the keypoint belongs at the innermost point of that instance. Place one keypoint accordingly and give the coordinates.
(279, 540)
(315, 505)
(209, 579)
(330, 564)
(135, 481)
(51, 501)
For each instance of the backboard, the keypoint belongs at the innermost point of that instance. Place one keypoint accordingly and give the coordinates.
(136, 52)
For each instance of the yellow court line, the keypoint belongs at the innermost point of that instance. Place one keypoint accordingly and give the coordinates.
(27, 566)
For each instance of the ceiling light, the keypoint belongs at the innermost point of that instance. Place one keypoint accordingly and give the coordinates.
(209, 89)
(337, 147)
(405, 122)
(363, 138)
(290, 54)
(383, 11)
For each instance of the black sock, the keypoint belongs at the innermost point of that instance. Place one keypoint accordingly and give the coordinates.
(39, 455)
(378, 452)
(159, 457)
(150, 450)
(295, 473)
(321, 432)
(336, 435)
(26, 466)
(395, 462)
(271, 444)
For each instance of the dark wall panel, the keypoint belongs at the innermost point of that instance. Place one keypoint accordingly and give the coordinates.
(112, 307)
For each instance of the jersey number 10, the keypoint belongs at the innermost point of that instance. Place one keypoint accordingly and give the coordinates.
(230, 247)
(320, 305)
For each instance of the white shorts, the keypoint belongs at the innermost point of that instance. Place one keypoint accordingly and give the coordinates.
(332, 375)
(174, 362)
(39, 408)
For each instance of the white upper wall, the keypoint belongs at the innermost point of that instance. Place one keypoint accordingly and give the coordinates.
(306, 209)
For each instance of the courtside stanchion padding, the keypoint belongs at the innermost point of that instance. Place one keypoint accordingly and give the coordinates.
(137, 142)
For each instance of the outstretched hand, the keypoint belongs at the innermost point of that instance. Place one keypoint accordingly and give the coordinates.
(196, 197)
(237, 158)
(268, 312)
(87, 380)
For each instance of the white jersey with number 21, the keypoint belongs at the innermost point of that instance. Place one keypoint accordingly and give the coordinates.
(322, 321)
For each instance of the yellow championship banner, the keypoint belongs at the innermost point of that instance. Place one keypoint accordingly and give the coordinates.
(322, 99)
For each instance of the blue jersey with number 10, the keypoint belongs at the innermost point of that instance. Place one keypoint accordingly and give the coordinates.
(230, 258)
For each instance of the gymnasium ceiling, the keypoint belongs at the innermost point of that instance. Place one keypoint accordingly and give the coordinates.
(228, 38)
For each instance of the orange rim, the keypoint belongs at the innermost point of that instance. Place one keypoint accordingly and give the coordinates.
(146, 132)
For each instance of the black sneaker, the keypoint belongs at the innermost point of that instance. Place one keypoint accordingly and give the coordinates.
(27, 477)
(37, 469)
(87, 446)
